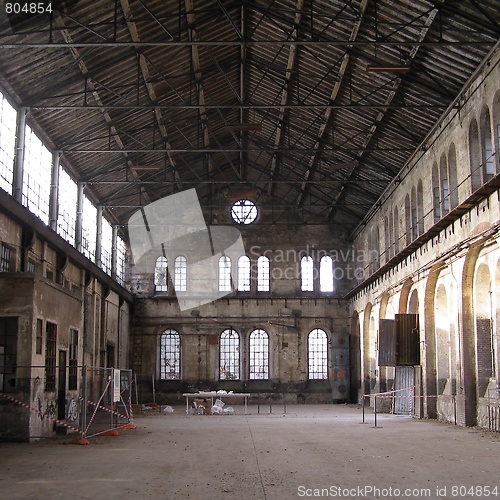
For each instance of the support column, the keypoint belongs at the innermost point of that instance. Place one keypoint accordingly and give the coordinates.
(79, 218)
(17, 185)
(54, 191)
(98, 244)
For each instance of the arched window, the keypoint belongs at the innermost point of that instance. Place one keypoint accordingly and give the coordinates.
(259, 355)
(420, 208)
(170, 355)
(326, 274)
(436, 194)
(161, 274)
(180, 272)
(407, 220)
(452, 176)
(414, 214)
(488, 157)
(243, 274)
(445, 186)
(474, 156)
(307, 273)
(396, 231)
(224, 274)
(317, 352)
(263, 282)
(390, 245)
(229, 355)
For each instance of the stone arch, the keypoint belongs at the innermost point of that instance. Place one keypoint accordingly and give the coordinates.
(386, 373)
(429, 353)
(442, 334)
(413, 302)
(383, 305)
(483, 318)
(355, 358)
(467, 400)
(403, 297)
(366, 348)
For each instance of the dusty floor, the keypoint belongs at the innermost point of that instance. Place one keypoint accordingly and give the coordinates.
(312, 451)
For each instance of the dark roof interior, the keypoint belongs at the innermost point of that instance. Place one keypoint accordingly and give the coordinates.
(286, 102)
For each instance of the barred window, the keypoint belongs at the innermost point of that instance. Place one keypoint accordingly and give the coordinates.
(244, 212)
(243, 274)
(229, 355)
(36, 176)
(180, 273)
(73, 360)
(120, 260)
(161, 274)
(4, 258)
(263, 281)
(326, 274)
(50, 356)
(8, 353)
(8, 119)
(106, 246)
(317, 344)
(170, 355)
(89, 228)
(307, 274)
(224, 274)
(259, 355)
(66, 217)
(39, 336)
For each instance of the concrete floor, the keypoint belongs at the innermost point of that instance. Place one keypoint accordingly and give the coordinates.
(260, 456)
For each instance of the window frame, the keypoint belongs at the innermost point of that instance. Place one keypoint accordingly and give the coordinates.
(245, 217)
(224, 278)
(317, 370)
(264, 351)
(167, 348)
(161, 287)
(231, 350)
(180, 273)
(307, 274)
(244, 274)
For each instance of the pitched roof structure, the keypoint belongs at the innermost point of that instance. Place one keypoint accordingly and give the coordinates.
(309, 107)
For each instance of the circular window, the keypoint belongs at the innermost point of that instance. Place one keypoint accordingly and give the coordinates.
(244, 212)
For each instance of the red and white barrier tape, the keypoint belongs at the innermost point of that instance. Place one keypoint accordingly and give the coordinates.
(38, 412)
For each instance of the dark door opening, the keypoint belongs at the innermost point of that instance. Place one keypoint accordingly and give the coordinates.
(61, 387)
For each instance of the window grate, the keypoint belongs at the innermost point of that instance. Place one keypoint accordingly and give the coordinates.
(170, 355)
(50, 357)
(259, 355)
(229, 355)
(317, 344)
